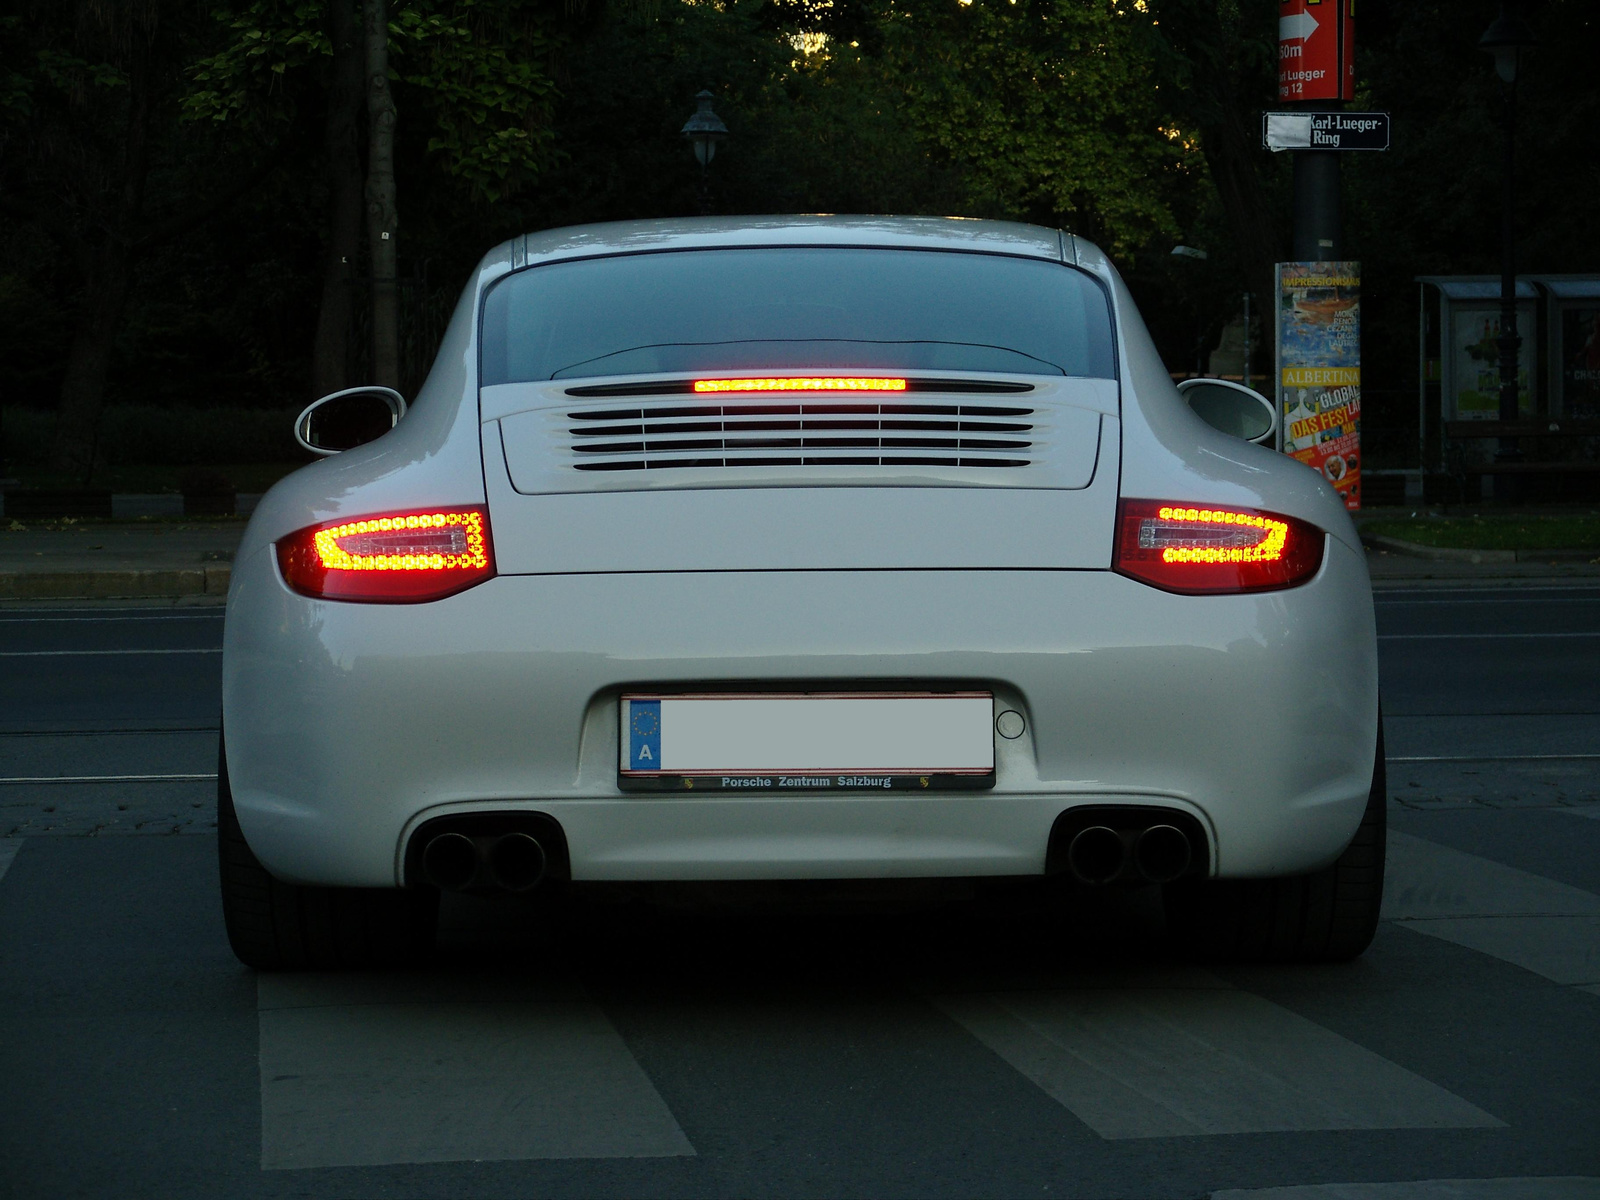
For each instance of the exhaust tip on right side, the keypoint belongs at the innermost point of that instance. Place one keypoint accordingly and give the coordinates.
(1162, 853)
(516, 862)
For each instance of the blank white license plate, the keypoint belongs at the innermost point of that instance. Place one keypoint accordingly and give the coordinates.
(823, 738)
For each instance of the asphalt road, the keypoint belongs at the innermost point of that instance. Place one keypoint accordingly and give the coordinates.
(997, 1045)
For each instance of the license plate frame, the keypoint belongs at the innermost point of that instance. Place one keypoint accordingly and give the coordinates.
(772, 742)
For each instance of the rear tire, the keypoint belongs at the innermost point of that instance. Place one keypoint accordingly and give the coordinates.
(277, 926)
(1328, 916)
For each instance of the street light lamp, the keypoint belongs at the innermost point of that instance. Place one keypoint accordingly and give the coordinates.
(1506, 39)
(704, 129)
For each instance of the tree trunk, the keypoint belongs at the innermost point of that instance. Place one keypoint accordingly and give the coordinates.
(107, 279)
(381, 217)
(1255, 229)
(89, 360)
(330, 356)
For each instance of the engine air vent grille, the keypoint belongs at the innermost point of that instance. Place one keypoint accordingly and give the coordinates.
(819, 434)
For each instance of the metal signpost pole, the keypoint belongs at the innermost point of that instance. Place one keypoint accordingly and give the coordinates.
(1316, 70)
(1509, 449)
(1316, 299)
(1506, 39)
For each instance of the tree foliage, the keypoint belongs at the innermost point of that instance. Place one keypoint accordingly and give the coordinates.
(185, 141)
(478, 68)
(1049, 108)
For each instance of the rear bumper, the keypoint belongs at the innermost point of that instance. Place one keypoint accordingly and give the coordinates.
(349, 724)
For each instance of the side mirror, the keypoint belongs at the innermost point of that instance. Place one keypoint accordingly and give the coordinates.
(1232, 408)
(353, 417)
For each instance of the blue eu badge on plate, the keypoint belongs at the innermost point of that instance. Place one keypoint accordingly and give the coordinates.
(644, 735)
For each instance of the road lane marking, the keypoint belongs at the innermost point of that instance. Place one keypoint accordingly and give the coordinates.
(1392, 597)
(199, 616)
(9, 848)
(132, 730)
(1560, 1187)
(1538, 924)
(98, 653)
(1181, 1061)
(1592, 811)
(1488, 758)
(200, 777)
(1458, 637)
(1511, 594)
(386, 1069)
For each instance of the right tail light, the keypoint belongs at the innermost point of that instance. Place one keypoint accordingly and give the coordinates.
(1205, 550)
(390, 558)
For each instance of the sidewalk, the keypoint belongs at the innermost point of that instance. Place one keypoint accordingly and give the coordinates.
(1391, 569)
(118, 561)
(183, 560)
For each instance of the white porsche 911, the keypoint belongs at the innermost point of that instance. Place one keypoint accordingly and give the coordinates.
(798, 548)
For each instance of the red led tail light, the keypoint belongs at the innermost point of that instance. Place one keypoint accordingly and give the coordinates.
(1202, 549)
(394, 558)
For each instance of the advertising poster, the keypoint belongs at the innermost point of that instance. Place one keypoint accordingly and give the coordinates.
(1580, 362)
(1475, 362)
(1319, 370)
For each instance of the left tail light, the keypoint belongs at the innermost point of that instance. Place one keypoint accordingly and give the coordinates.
(1205, 550)
(394, 558)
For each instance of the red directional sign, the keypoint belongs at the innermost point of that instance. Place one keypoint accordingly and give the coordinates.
(1316, 50)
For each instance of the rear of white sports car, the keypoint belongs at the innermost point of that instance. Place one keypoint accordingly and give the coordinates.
(799, 549)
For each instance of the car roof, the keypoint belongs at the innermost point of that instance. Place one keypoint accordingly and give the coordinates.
(926, 233)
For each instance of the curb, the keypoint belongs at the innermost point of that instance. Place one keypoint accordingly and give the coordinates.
(1378, 541)
(1437, 553)
(115, 585)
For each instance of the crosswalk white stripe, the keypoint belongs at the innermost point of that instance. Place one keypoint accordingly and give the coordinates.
(1562, 949)
(1563, 1187)
(9, 848)
(1539, 924)
(1175, 1061)
(375, 1070)
(1426, 880)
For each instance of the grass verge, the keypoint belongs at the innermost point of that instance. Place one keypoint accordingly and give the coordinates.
(1555, 532)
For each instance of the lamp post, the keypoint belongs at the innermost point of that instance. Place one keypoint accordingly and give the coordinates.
(704, 129)
(1195, 254)
(1506, 39)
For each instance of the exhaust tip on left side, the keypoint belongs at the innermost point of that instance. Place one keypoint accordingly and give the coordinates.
(450, 861)
(1097, 855)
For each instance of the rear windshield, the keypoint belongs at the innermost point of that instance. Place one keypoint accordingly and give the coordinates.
(808, 309)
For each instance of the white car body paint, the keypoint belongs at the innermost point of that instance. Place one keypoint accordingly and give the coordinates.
(349, 724)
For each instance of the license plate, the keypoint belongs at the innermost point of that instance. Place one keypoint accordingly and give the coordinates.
(810, 741)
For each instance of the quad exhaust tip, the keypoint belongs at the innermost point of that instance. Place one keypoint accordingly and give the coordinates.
(510, 862)
(1097, 854)
(450, 861)
(516, 862)
(1162, 853)
(1156, 853)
